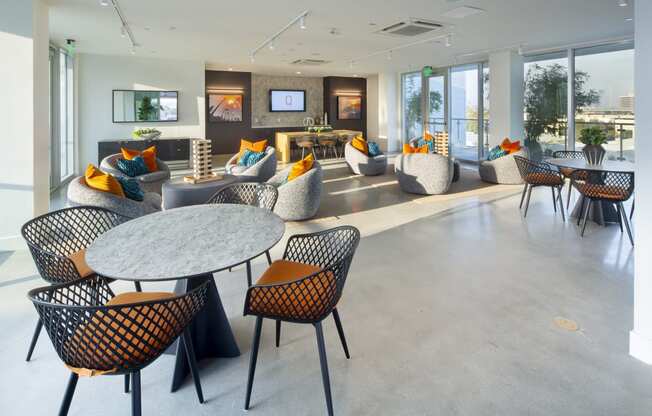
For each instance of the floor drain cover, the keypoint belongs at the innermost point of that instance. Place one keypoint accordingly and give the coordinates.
(566, 324)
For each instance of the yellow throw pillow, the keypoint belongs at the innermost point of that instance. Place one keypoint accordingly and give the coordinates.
(360, 144)
(257, 147)
(428, 137)
(149, 156)
(301, 167)
(407, 149)
(101, 181)
(509, 146)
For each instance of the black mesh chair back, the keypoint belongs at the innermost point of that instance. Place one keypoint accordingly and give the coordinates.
(259, 195)
(568, 154)
(538, 173)
(89, 334)
(53, 237)
(604, 185)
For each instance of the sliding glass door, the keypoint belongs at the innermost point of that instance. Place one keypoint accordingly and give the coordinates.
(436, 107)
(411, 103)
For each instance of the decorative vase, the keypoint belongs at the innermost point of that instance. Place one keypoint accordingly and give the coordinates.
(594, 154)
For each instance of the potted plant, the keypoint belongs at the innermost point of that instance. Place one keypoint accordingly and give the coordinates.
(593, 139)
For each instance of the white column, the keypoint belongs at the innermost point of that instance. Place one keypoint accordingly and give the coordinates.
(640, 340)
(372, 107)
(505, 96)
(388, 111)
(24, 117)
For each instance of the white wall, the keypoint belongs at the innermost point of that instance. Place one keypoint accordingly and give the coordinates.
(641, 336)
(389, 92)
(506, 97)
(24, 117)
(98, 75)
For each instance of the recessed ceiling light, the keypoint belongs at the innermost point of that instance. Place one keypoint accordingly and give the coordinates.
(104, 3)
(173, 28)
(462, 12)
(355, 75)
(623, 3)
(147, 28)
(298, 72)
(372, 24)
(629, 19)
(230, 69)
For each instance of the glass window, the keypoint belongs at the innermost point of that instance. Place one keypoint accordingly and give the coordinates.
(62, 121)
(411, 105)
(436, 103)
(485, 107)
(463, 133)
(604, 97)
(545, 104)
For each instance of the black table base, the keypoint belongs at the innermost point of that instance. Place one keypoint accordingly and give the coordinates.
(210, 331)
(601, 212)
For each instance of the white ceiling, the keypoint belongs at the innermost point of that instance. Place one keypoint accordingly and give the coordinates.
(223, 33)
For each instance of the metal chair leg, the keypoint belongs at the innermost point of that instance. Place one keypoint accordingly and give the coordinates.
(138, 287)
(340, 331)
(32, 344)
(580, 213)
(278, 332)
(192, 363)
(561, 204)
(527, 202)
(324, 367)
(523, 196)
(570, 189)
(127, 383)
(70, 391)
(631, 213)
(136, 407)
(586, 215)
(620, 218)
(252, 360)
(248, 273)
(627, 227)
(269, 257)
(554, 198)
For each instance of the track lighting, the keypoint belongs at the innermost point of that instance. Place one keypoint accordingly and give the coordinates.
(104, 3)
(123, 32)
(269, 42)
(252, 58)
(271, 45)
(389, 55)
(449, 40)
(623, 3)
(302, 23)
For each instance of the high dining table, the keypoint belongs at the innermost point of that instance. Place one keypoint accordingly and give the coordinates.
(187, 245)
(603, 212)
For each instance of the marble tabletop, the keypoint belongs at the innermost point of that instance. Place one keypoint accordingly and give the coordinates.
(610, 165)
(184, 242)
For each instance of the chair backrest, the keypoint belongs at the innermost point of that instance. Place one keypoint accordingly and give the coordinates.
(568, 154)
(54, 236)
(88, 334)
(326, 138)
(612, 185)
(305, 140)
(535, 172)
(260, 195)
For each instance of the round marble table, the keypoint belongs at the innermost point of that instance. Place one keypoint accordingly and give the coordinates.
(177, 193)
(603, 212)
(187, 245)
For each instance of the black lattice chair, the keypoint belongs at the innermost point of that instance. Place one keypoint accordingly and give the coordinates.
(304, 288)
(259, 195)
(58, 240)
(536, 174)
(604, 186)
(567, 172)
(96, 333)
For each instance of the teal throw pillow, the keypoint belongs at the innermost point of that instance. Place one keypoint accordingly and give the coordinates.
(496, 153)
(374, 149)
(131, 188)
(133, 167)
(254, 157)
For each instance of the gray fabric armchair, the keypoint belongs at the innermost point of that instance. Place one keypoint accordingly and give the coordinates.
(260, 172)
(424, 173)
(298, 199)
(502, 170)
(361, 164)
(80, 194)
(149, 182)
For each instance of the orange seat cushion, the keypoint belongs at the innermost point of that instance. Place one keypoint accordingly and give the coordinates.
(567, 172)
(509, 146)
(100, 181)
(149, 156)
(549, 179)
(111, 339)
(304, 300)
(360, 144)
(301, 167)
(79, 260)
(407, 149)
(609, 192)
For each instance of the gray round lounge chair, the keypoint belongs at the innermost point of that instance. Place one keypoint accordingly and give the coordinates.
(260, 172)
(149, 182)
(80, 194)
(361, 164)
(298, 199)
(502, 170)
(424, 173)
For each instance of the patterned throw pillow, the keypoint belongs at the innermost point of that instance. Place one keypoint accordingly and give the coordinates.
(429, 143)
(374, 149)
(254, 157)
(133, 167)
(131, 189)
(242, 161)
(496, 153)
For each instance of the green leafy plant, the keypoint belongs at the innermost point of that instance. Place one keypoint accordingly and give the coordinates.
(593, 136)
(140, 132)
(146, 111)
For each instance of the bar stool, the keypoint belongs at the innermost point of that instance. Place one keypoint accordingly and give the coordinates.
(306, 142)
(328, 141)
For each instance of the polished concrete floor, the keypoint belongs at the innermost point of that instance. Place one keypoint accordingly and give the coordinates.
(450, 308)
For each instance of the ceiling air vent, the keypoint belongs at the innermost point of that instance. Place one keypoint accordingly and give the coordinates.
(312, 62)
(411, 27)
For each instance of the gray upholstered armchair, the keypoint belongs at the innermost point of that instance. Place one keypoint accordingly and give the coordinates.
(502, 170)
(149, 182)
(260, 172)
(424, 173)
(361, 164)
(80, 194)
(298, 199)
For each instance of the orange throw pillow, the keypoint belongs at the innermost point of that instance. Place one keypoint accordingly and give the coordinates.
(101, 181)
(149, 156)
(257, 147)
(407, 149)
(509, 146)
(301, 167)
(428, 137)
(360, 144)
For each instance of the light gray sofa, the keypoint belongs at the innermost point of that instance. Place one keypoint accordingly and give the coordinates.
(260, 172)
(424, 173)
(298, 199)
(149, 182)
(502, 170)
(80, 194)
(361, 164)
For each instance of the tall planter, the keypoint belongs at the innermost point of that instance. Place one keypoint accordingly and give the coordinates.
(594, 154)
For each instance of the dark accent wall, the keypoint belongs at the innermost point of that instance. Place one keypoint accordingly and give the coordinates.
(345, 86)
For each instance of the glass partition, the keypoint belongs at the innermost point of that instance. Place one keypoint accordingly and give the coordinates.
(464, 132)
(411, 103)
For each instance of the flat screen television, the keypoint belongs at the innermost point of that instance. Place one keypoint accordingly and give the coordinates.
(287, 101)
